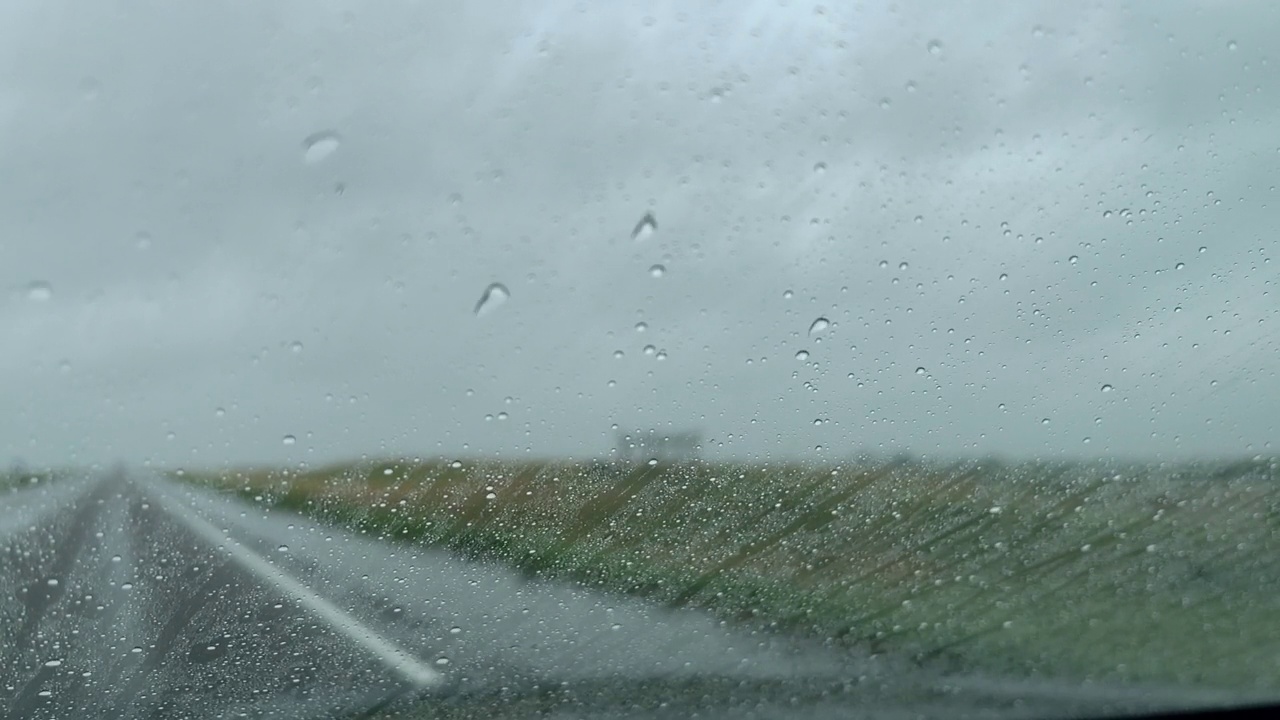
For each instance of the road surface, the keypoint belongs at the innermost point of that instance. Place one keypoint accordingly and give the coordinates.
(128, 596)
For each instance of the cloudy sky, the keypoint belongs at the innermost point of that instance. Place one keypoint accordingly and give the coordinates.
(259, 232)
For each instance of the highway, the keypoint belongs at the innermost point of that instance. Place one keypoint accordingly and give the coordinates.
(129, 596)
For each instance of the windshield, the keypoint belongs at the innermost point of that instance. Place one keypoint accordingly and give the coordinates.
(752, 359)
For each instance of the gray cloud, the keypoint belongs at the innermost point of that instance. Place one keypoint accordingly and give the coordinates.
(214, 292)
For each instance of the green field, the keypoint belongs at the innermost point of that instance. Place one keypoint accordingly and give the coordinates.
(15, 479)
(1104, 571)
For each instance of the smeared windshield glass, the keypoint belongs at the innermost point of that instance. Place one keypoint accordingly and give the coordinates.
(756, 359)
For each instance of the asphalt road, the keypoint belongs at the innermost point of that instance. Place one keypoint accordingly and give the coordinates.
(132, 597)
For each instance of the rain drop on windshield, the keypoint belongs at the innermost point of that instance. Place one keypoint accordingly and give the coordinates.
(318, 146)
(491, 299)
(645, 228)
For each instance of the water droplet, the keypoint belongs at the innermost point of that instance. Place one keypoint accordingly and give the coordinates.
(491, 299)
(1004, 277)
(283, 549)
(1107, 388)
(1231, 45)
(52, 582)
(645, 229)
(1203, 248)
(653, 462)
(935, 47)
(90, 87)
(657, 271)
(442, 661)
(642, 326)
(1044, 421)
(455, 630)
(1179, 266)
(219, 412)
(618, 354)
(491, 496)
(662, 355)
(53, 663)
(288, 439)
(820, 168)
(1073, 259)
(885, 103)
(787, 295)
(919, 371)
(884, 264)
(295, 347)
(126, 586)
(318, 146)
(819, 326)
(802, 355)
(615, 626)
(45, 693)
(40, 291)
(503, 416)
(902, 266)
(649, 349)
(456, 464)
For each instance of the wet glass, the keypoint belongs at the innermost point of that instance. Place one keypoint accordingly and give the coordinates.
(789, 359)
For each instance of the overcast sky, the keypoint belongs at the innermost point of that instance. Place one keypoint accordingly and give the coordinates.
(1034, 230)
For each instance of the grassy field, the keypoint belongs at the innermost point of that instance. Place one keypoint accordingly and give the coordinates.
(15, 479)
(1133, 573)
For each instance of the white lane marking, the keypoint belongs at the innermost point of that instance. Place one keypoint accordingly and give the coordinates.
(412, 669)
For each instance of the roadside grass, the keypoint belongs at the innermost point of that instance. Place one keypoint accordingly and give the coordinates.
(17, 479)
(1108, 572)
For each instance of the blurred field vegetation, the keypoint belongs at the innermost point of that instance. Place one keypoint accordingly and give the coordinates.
(1105, 571)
